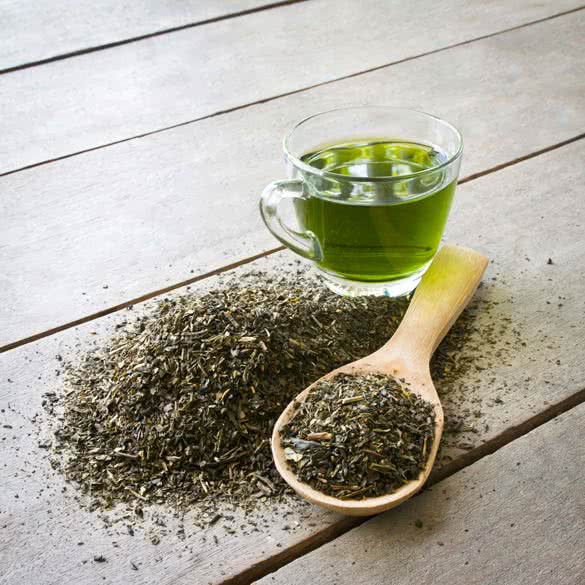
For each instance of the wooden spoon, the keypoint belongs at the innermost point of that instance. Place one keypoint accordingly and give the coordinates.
(443, 293)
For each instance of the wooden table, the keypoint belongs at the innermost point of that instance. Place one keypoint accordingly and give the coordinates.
(134, 141)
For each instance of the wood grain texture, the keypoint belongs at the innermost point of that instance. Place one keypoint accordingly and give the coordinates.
(141, 215)
(518, 377)
(36, 31)
(516, 517)
(70, 106)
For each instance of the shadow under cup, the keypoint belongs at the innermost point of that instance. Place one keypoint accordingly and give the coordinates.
(371, 189)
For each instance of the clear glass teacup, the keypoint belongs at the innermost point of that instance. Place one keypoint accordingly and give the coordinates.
(371, 189)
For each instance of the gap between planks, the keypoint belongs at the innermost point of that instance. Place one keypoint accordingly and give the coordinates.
(158, 33)
(249, 259)
(140, 299)
(346, 524)
(288, 93)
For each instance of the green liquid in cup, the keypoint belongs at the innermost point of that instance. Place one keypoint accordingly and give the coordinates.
(391, 228)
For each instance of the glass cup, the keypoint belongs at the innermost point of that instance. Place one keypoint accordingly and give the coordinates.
(371, 188)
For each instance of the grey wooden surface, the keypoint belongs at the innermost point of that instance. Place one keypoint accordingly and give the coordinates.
(514, 518)
(95, 99)
(44, 29)
(96, 230)
(142, 215)
(520, 381)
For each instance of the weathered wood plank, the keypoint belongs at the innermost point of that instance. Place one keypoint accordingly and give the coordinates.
(516, 517)
(96, 99)
(141, 215)
(517, 379)
(45, 29)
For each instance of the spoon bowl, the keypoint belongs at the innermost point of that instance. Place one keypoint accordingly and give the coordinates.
(445, 290)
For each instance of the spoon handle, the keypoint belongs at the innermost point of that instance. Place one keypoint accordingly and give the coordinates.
(443, 293)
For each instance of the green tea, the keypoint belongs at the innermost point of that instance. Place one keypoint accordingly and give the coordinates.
(379, 218)
(178, 408)
(355, 437)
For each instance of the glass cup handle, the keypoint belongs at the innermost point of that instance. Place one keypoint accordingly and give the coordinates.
(303, 243)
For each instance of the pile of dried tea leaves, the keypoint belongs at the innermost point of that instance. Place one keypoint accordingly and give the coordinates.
(180, 405)
(355, 437)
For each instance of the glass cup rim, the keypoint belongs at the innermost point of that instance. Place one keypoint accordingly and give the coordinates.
(298, 163)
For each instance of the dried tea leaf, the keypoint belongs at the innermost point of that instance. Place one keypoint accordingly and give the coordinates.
(372, 436)
(179, 406)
